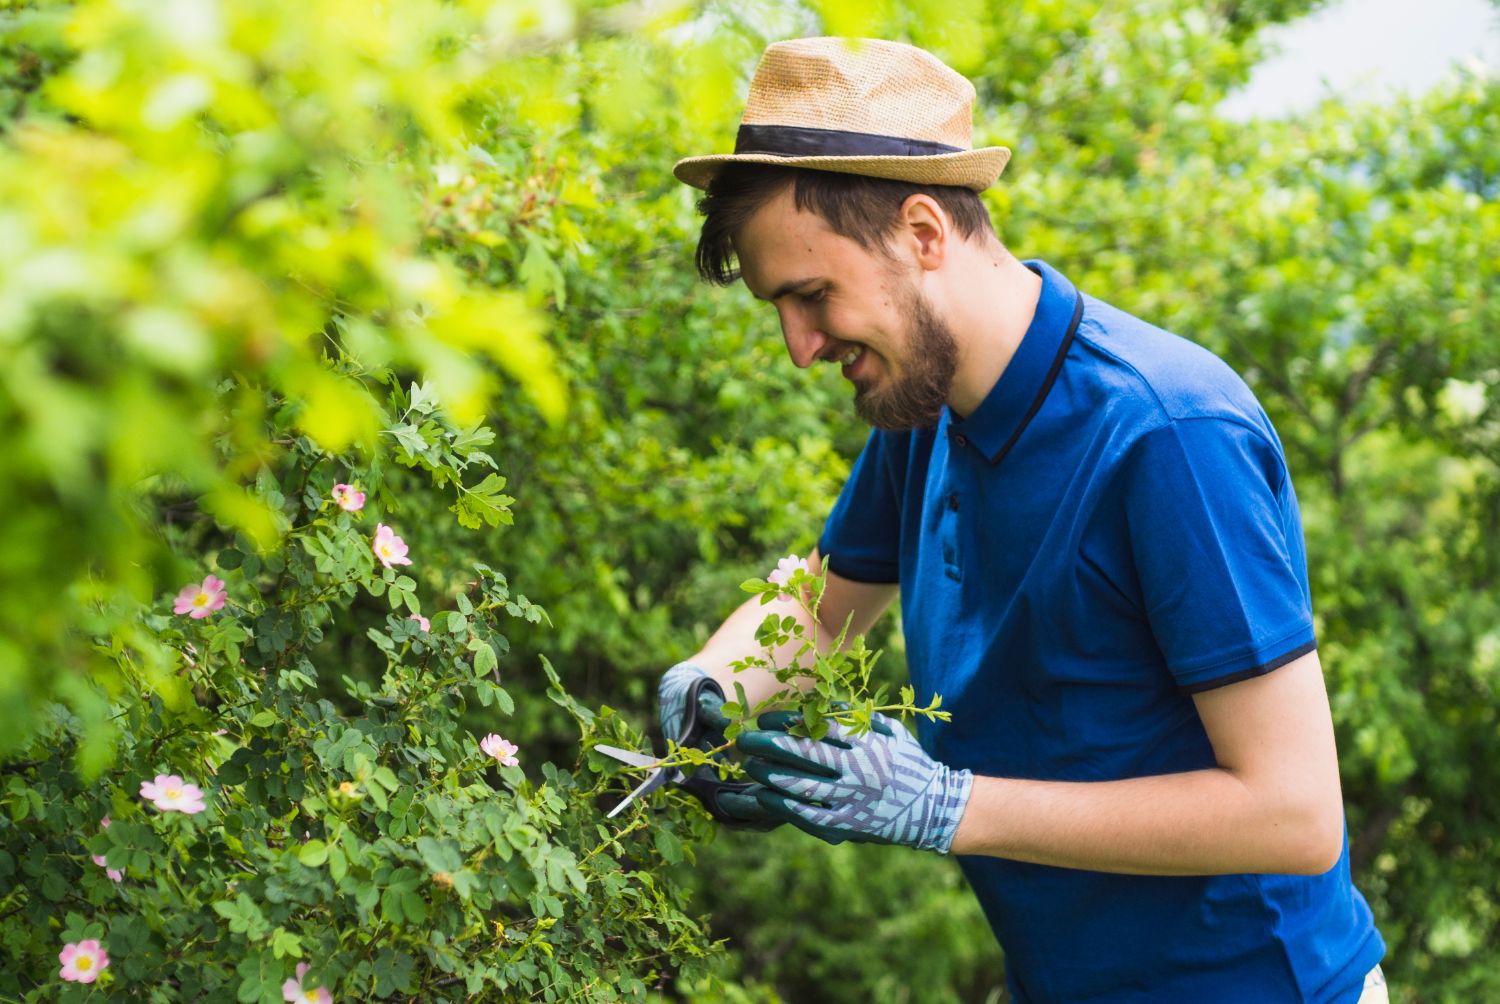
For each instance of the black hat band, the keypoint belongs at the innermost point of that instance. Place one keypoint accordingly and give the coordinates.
(805, 141)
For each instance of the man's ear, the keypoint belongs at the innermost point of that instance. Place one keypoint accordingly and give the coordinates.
(926, 229)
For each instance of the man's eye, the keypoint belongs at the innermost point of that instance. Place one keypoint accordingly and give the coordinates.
(817, 297)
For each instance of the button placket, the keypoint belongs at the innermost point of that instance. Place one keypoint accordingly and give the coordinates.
(948, 533)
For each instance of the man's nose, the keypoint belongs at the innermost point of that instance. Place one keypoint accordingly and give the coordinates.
(803, 338)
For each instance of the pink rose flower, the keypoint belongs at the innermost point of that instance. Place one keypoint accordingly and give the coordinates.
(82, 962)
(389, 549)
(784, 571)
(296, 993)
(422, 622)
(198, 600)
(170, 793)
(115, 874)
(348, 499)
(501, 749)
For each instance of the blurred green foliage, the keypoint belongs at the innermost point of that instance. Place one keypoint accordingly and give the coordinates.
(478, 196)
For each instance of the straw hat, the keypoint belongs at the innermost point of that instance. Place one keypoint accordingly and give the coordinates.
(860, 106)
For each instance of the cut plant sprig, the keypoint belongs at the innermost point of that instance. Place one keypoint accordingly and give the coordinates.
(826, 682)
(815, 722)
(822, 686)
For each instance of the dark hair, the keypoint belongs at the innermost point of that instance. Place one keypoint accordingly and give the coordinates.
(854, 206)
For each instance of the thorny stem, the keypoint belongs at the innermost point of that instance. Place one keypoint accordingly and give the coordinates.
(634, 825)
(669, 761)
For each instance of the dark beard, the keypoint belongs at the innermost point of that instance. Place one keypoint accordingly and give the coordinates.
(915, 400)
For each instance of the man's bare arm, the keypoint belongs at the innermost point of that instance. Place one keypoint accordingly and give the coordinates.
(735, 638)
(1273, 803)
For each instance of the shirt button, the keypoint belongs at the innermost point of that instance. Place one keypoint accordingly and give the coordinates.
(953, 501)
(948, 555)
(960, 439)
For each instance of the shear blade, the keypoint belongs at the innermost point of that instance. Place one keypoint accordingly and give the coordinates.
(654, 780)
(626, 756)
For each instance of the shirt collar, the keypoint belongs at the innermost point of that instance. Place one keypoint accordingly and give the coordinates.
(1010, 404)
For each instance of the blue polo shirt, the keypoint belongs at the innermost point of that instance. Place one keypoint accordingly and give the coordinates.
(1112, 531)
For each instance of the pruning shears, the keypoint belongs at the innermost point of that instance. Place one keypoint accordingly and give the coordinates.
(730, 802)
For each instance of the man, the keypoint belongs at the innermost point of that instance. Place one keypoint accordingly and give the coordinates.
(1099, 558)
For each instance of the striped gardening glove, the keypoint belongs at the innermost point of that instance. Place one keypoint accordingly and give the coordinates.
(881, 787)
(671, 699)
(690, 706)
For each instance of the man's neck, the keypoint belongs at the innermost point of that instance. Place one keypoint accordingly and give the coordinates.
(995, 301)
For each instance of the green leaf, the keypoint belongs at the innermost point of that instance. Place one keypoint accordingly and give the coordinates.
(230, 558)
(540, 274)
(667, 845)
(338, 863)
(284, 944)
(484, 503)
(409, 438)
(439, 855)
(313, 853)
(814, 721)
(263, 719)
(54, 886)
(390, 906)
(251, 989)
(414, 907)
(423, 400)
(472, 439)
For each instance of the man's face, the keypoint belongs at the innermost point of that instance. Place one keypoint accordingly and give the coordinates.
(859, 309)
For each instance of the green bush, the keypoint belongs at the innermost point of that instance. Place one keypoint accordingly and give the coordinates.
(352, 824)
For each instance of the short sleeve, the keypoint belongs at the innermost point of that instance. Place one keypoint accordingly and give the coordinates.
(862, 538)
(1216, 543)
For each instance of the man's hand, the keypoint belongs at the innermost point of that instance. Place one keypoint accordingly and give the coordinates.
(671, 696)
(881, 787)
(737, 809)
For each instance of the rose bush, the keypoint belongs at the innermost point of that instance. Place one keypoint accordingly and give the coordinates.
(279, 819)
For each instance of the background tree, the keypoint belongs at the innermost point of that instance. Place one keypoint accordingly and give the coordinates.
(326, 199)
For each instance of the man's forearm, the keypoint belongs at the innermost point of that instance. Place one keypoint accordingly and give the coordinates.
(735, 640)
(1204, 822)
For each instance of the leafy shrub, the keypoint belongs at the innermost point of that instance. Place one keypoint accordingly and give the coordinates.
(355, 825)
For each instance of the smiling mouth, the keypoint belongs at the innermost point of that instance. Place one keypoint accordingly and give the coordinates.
(851, 360)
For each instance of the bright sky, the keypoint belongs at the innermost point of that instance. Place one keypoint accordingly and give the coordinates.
(1368, 48)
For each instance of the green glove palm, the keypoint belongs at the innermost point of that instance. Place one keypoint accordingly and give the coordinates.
(881, 787)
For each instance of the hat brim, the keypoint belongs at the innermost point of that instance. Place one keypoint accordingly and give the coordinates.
(974, 169)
